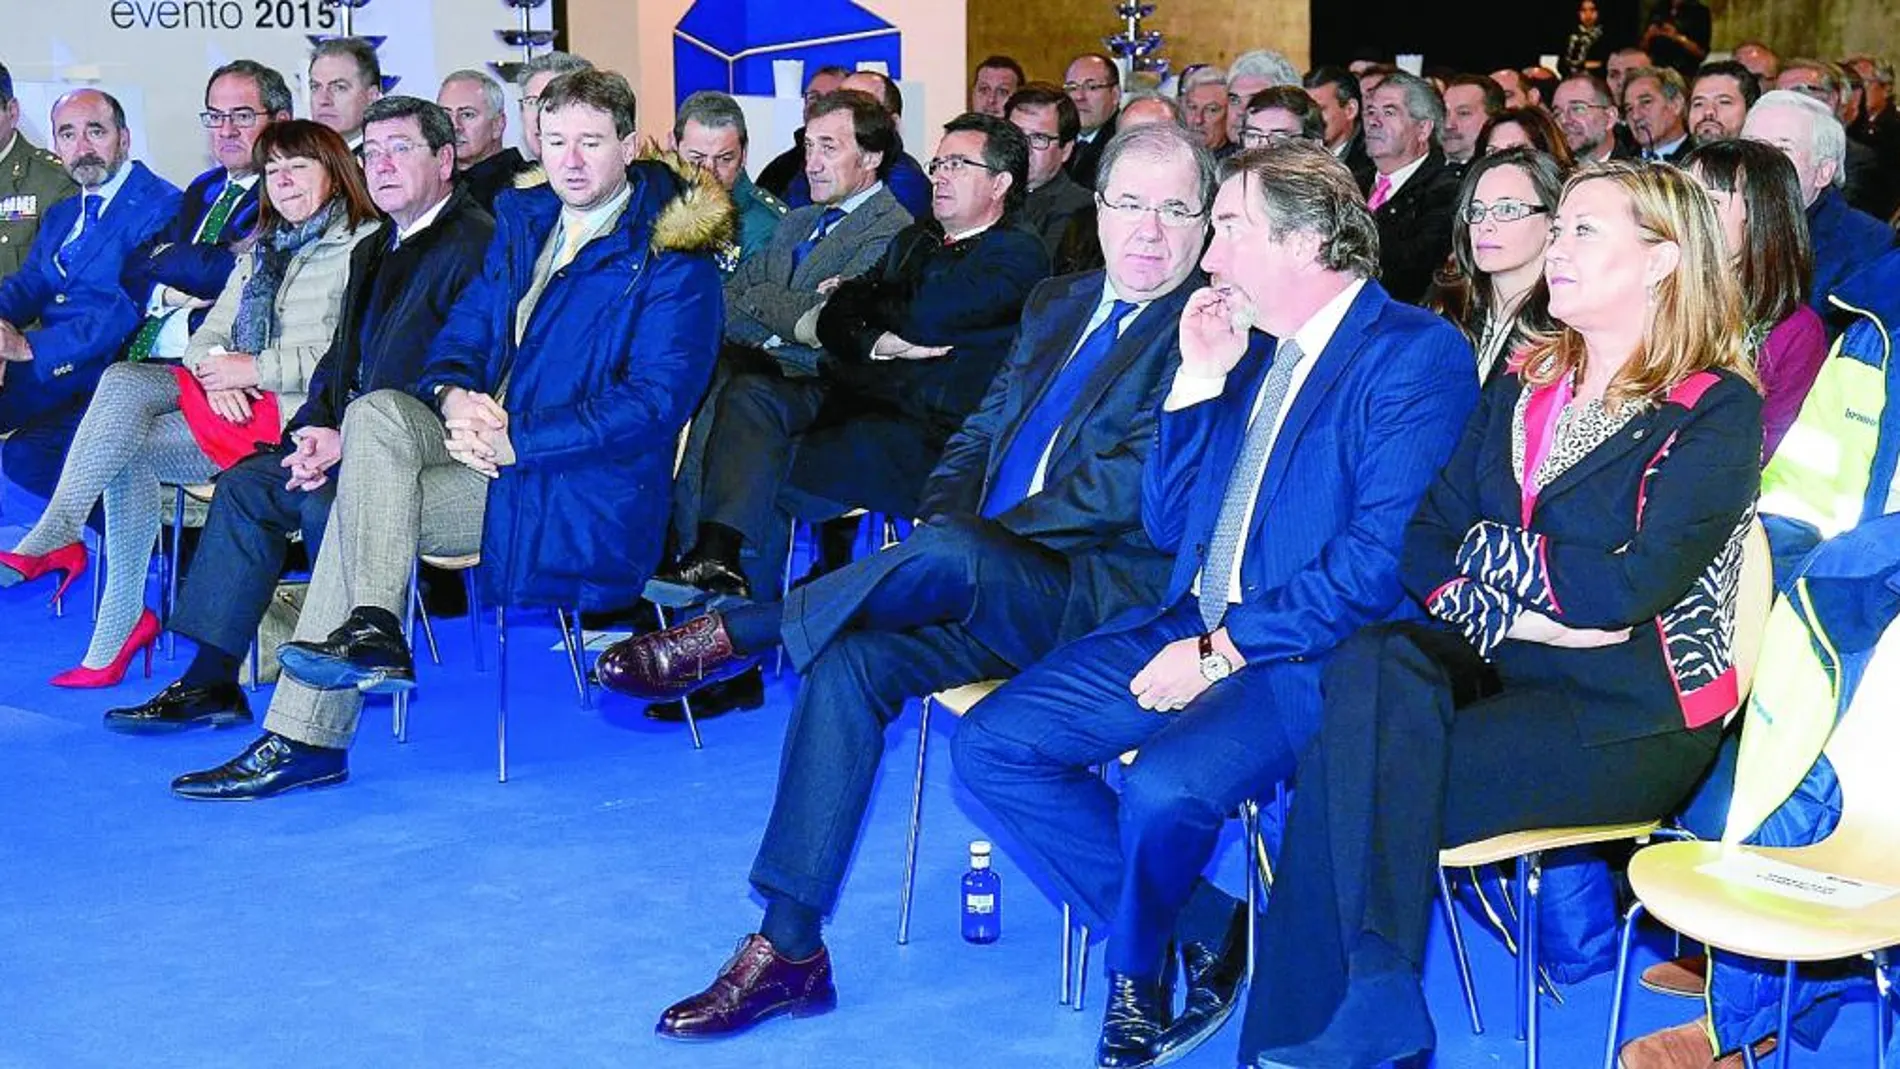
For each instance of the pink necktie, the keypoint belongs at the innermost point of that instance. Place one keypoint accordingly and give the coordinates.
(1381, 189)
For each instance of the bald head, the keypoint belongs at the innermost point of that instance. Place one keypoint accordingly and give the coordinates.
(90, 137)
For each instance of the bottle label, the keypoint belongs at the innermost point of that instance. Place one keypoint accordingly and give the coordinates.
(979, 903)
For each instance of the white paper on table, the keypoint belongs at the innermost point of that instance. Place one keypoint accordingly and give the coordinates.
(1793, 881)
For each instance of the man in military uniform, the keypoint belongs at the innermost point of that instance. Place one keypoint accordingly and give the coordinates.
(31, 181)
(709, 132)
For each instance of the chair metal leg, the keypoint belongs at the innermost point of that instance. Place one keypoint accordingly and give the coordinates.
(1625, 940)
(1458, 950)
(1883, 995)
(501, 694)
(686, 701)
(1749, 1061)
(1250, 829)
(177, 565)
(1784, 1040)
(257, 666)
(1068, 954)
(916, 823)
(474, 617)
(421, 611)
(399, 713)
(1525, 975)
(785, 584)
(1530, 908)
(1081, 972)
(571, 643)
(580, 653)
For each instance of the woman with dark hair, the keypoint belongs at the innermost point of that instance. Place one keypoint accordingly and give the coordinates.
(1588, 47)
(1281, 113)
(1492, 285)
(1757, 197)
(244, 374)
(1578, 561)
(1531, 128)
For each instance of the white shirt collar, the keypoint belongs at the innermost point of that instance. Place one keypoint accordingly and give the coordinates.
(1398, 178)
(595, 218)
(856, 200)
(422, 221)
(1317, 332)
(951, 239)
(111, 188)
(242, 181)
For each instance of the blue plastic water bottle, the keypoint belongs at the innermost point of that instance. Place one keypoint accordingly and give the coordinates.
(982, 897)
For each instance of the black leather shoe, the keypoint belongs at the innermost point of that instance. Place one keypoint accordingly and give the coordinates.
(177, 707)
(1138, 1012)
(745, 691)
(756, 984)
(709, 575)
(269, 766)
(1215, 973)
(366, 652)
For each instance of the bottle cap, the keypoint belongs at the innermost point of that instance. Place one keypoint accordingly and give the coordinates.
(980, 854)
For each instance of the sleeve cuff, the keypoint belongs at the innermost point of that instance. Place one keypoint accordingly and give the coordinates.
(1189, 390)
(1511, 559)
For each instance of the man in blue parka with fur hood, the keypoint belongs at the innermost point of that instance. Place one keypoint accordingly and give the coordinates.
(541, 432)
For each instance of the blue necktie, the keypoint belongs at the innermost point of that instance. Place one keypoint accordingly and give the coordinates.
(825, 222)
(90, 205)
(1230, 528)
(1017, 471)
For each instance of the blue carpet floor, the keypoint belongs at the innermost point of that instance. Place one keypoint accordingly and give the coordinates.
(424, 915)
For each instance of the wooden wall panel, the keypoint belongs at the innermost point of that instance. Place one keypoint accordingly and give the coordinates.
(1045, 34)
(1827, 28)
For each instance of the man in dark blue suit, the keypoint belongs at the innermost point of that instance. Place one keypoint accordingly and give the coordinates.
(70, 286)
(401, 288)
(1034, 535)
(1286, 467)
(182, 270)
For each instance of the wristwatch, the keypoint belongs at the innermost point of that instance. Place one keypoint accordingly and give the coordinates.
(1214, 664)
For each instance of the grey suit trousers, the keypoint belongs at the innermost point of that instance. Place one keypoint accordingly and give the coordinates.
(401, 494)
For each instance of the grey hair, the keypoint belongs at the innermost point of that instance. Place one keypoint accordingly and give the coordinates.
(1166, 101)
(1264, 63)
(1674, 88)
(1157, 143)
(1303, 187)
(551, 63)
(712, 109)
(1200, 76)
(491, 89)
(1827, 140)
(1422, 102)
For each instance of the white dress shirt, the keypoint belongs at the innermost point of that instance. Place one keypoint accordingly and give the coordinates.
(1312, 338)
(175, 336)
(1398, 178)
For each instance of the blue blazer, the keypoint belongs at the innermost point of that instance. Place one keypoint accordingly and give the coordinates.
(1375, 420)
(617, 353)
(84, 316)
(200, 270)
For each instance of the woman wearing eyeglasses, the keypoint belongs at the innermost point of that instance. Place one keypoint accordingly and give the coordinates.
(1492, 286)
(1576, 563)
(245, 372)
(1757, 196)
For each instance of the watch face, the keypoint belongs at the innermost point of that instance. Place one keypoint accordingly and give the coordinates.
(1215, 668)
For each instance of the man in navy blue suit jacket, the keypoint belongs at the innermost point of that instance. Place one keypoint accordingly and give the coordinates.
(1286, 468)
(70, 286)
(1034, 535)
(179, 273)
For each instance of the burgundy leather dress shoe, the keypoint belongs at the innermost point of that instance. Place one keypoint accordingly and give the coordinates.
(755, 985)
(663, 665)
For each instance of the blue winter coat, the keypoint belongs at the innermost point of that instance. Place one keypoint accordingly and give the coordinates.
(615, 357)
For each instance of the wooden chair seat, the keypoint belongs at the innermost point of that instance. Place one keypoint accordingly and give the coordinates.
(459, 562)
(959, 700)
(1515, 844)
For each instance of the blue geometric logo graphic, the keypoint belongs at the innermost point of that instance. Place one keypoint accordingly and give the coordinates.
(729, 45)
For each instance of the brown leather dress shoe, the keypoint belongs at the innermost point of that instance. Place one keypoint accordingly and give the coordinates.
(663, 665)
(1686, 1046)
(755, 985)
(1685, 977)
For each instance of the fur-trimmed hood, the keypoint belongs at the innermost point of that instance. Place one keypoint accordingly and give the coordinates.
(698, 216)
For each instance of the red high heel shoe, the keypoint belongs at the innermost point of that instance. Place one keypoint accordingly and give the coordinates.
(143, 637)
(68, 560)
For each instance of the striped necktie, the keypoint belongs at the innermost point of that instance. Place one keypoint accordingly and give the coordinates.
(89, 208)
(1242, 484)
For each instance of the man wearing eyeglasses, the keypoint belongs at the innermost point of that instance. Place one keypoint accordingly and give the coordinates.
(1034, 535)
(1094, 83)
(1057, 208)
(1586, 111)
(181, 271)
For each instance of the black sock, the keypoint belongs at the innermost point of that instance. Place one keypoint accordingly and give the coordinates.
(211, 666)
(793, 928)
(383, 619)
(1206, 916)
(754, 628)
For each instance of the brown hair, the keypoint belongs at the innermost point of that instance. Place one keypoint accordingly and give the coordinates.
(303, 139)
(1695, 314)
(1776, 260)
(1544, 134)
(1462, 293)
(1301, 186)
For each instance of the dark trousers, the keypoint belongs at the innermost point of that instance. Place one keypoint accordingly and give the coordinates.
(36, 450)
(1130, 860)
(777, 453)
(1422, 746)
(242, 550)
(955, 603)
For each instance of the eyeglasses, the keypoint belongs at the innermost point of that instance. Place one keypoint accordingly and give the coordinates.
(399, 149)
(1250, 137)
(1502, 211)
(1086, 87)
(954, 166)
(1041, 142)
(242, 118)
(1171, 214)
(530, 103)
(1581, 109)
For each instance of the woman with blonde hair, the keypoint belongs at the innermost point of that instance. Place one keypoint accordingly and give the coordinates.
(245, 373)
(1576, 565)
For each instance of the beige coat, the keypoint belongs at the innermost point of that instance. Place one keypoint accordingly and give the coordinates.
(308, 305)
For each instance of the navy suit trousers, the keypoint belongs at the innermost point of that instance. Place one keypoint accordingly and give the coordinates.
(1128, 860)
(241, 553)
(957, 602)
(36, 450)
